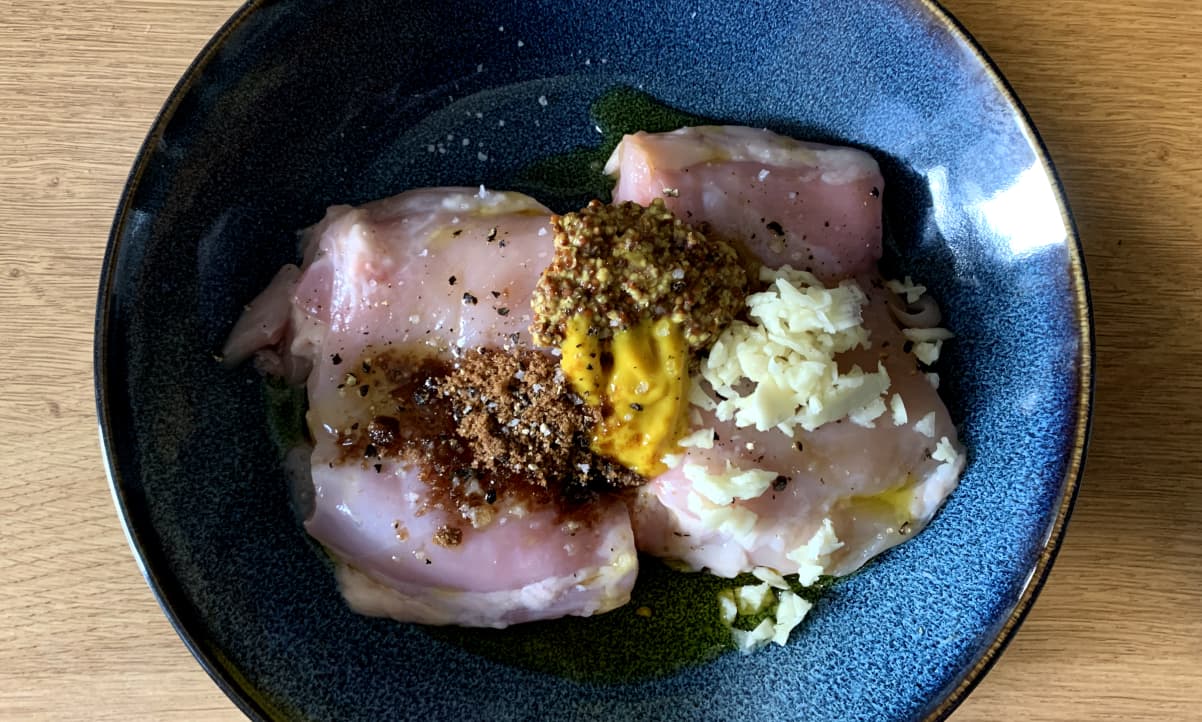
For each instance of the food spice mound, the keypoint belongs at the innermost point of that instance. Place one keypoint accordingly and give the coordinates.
(455, 420)
(520, 418)
(618, 264)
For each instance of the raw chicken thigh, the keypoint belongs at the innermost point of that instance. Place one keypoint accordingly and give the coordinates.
(792, 203)
(415, 277)
(392, 294)
(852, 491)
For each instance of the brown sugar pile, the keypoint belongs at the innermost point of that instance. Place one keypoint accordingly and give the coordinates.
(520, 418)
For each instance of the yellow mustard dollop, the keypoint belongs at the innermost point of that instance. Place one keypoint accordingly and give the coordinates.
(640, 380)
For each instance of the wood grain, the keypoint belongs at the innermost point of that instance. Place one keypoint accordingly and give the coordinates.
(1116, 91)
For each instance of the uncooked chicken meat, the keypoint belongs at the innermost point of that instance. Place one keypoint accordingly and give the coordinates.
(795, 203)
(815, 207)
(394, 288)
(415, 277)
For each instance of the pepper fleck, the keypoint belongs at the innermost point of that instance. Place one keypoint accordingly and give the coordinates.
(469, 299)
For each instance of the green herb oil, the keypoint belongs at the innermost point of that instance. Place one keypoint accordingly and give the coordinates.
(671, 622)
(579, 174)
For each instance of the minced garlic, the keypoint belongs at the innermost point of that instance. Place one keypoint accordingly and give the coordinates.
(928, 342)
(912, 291)
(813, 557)
(785, 611)
(790, 610)
(699, 439)
(730, 484)
(753, 598)
(945, 451)
(713, 496)
(728, 609)
(756, 638)
(926, 425)
(788, 355)
(770, 576)
(732, 520)
(898, 408)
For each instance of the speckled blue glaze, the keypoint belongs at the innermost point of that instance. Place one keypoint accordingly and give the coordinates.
(298, 105)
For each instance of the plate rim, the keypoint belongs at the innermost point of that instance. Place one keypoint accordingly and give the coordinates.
(959, 689)
(179, 612)
(252, 702)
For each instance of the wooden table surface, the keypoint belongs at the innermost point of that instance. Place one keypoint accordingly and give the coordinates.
(1115, 87)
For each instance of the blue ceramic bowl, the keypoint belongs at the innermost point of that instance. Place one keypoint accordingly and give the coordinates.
(298, 105)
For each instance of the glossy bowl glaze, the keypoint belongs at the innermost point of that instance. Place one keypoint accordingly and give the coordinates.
(298, 105)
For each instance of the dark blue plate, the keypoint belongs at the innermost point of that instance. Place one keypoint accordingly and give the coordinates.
(298, 105)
